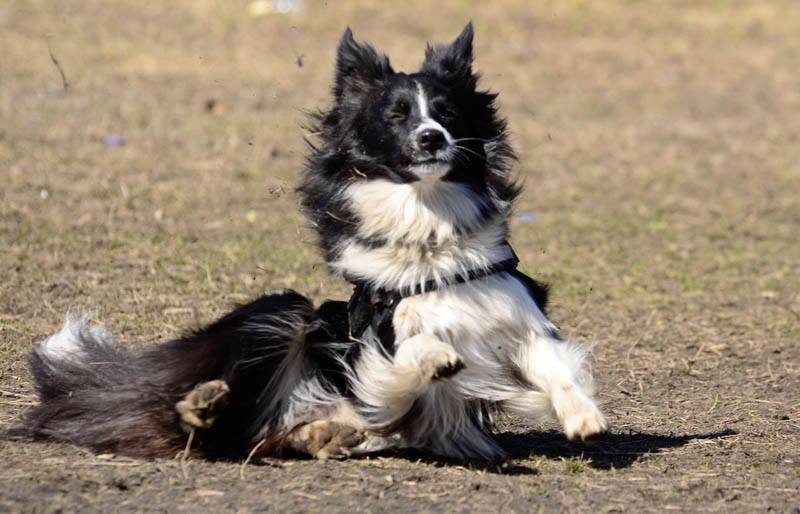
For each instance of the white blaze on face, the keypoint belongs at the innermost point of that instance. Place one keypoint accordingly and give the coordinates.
(436, 169)
(426, 121)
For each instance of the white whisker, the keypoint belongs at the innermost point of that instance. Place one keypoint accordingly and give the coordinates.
(473, 152)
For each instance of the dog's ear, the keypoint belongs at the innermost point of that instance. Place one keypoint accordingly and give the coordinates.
(452, 62)
(358, 66)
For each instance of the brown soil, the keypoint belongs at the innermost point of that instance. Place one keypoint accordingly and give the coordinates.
(660, 147)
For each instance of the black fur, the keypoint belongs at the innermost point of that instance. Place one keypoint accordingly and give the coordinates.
(114, 401)
(363, 136)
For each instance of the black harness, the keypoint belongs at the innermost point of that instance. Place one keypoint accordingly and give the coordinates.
(374, 307)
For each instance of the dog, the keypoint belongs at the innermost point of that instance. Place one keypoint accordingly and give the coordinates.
(409, 189)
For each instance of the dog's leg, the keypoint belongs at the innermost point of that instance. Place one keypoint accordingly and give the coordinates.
(203, 404)
(387, 387)
(434, 358)
(324, 439)
(559, 372)
(339, 435)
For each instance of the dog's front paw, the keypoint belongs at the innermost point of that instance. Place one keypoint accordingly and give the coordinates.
(585, 425)
(325, 439)
(201, 407)
(439, 364)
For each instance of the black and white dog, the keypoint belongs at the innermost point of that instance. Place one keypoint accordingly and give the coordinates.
(409, 191)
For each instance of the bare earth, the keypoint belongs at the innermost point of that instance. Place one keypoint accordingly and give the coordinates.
(660, 147)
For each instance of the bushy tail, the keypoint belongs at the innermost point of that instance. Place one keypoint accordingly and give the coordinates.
(96, 394)
(80, 355)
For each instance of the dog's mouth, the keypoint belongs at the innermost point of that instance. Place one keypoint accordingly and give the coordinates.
(430, 168)
(431, 161)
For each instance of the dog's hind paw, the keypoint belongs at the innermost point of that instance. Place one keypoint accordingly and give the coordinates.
(324, 439)
(203, 404)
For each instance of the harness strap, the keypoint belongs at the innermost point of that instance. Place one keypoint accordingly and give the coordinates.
(375, 307)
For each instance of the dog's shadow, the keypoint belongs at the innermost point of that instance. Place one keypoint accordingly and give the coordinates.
(614, 451)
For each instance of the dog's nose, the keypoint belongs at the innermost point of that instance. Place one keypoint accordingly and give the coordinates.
(430, 140)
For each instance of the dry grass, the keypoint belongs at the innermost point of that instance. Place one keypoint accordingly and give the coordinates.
(659, 145)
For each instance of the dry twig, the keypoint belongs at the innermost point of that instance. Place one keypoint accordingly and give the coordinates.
(250, 457)
(185, 455)
(64, 81)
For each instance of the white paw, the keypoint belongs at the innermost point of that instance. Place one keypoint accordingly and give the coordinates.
(440, 363)
(586, 424)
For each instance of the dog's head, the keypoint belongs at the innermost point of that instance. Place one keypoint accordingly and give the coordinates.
(425, 126)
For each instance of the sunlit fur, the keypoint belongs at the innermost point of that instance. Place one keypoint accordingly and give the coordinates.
(384, 222)
(408, 187)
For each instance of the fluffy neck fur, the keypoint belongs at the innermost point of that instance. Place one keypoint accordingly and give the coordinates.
(429, 232)
(397, 235)
(375, 220)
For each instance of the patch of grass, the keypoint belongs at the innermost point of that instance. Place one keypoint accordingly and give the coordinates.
(574, 467)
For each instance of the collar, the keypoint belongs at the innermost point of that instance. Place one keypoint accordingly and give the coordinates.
(375, 306)
(509, 262)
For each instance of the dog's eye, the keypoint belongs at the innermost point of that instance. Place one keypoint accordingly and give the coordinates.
(448, 115)
(399, 111)
(443, 112)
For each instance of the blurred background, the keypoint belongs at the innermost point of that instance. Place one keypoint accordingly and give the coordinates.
(659, 145)
(658, 142)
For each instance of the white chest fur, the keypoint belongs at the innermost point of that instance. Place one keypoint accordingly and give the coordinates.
(430, 232)
(486, 306)
(487, 321)
(510, 356)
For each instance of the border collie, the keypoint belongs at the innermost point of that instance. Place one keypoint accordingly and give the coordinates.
(409, 190)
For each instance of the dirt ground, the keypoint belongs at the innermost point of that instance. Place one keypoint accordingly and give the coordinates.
(660, 147)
